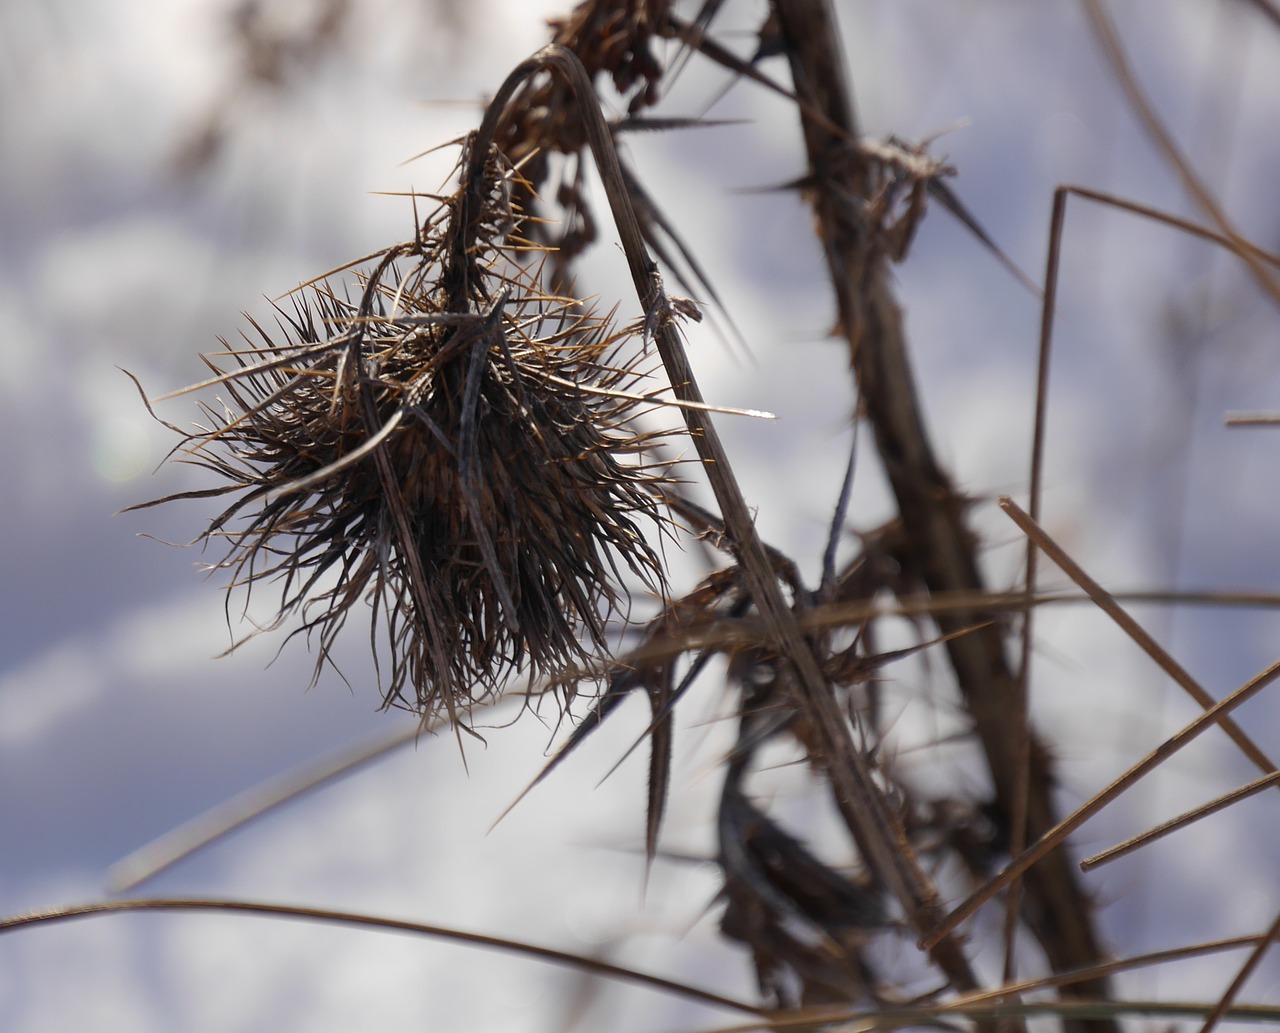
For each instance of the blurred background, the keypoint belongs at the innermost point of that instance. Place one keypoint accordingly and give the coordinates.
(165, 167)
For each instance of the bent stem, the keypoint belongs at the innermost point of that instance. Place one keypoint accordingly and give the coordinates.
(876, 831)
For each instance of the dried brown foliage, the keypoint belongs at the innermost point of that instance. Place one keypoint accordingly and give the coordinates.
(457, 446)
(454, 445)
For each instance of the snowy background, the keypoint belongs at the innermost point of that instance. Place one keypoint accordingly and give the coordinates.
(116, 723)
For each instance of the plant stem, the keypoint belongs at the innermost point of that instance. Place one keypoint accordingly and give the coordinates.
(878, 834)
(941, 545)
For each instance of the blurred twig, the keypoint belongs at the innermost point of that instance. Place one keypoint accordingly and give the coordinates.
(1109, 40)
(932, 511)
(328, 916)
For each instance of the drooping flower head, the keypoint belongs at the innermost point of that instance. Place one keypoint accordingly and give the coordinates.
(448, 444)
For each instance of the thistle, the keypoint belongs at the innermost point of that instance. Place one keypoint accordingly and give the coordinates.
(454, 447)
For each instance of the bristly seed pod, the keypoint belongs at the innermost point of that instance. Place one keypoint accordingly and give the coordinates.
(455, 448)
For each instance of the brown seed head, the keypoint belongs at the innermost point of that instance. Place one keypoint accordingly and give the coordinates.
(468, 467)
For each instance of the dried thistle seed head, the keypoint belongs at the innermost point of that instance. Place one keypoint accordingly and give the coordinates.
(471, 470)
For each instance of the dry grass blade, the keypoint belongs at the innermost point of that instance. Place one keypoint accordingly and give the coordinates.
(205, 829)
(1180, 822)
(726, 634)
(1216, 714)
(997, 1014)
(825, 1017)
(1108, 605)
(1236, 245)
(1248, 419)
(1057, 225)
(1223, 1006)
(1130, 964)
(1058, 834)
(326, 916)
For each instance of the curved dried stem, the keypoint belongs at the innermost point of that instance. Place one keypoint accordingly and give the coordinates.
(350, 919)
(878, 833)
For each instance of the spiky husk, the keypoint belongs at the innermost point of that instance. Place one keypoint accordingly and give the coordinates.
(468, 468)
